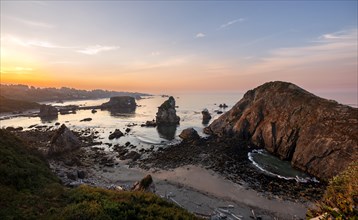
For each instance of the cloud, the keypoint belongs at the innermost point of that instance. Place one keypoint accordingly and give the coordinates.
(229, 23)
(30, 43)
(17, 70)
(32, 23)
(339, 50)
(93, 50)
(200, 35)
(155, 53)
(339, 35)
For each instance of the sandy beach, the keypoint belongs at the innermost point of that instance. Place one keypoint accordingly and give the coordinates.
(202, 191)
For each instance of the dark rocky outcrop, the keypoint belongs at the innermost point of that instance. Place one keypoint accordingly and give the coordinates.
(206, 116)
(318, 136)
(63, 141)
(48, 111)
(166, 113)
(189, 134)
(120, 104)
(116, 134)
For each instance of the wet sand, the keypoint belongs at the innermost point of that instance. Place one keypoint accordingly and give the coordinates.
(202, 191)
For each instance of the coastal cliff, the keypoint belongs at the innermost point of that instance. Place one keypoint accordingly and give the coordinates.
(318, 136)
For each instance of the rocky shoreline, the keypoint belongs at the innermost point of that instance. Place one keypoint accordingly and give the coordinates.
(227, 157)
(97, 167)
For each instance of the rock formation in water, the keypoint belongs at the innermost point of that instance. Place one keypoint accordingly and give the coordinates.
(120, 103)
(166, 113)
(63, 141)
(318, 136)
(206, 116)
(48, 111)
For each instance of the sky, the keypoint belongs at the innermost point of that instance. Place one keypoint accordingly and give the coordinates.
(180, 46)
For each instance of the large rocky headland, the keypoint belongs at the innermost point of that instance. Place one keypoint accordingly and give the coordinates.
(318, 136)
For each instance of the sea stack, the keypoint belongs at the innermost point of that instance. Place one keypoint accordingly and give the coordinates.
(48, 111)
(318, 136)
(166, 114)
(124, 103)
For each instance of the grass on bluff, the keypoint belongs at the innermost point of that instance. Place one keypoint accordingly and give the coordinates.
(28, 190)
(340, 200)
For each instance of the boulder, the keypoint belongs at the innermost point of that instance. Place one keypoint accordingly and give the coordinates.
(63, 141)
(145, 185)
(86, 119)
(116, 134)
(206, 116)
(120, 103)
(152, 123)
(48, 111)
(189, 134)
(166, 113)
(318, 136)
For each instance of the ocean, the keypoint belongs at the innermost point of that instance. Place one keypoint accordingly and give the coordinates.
(189, 107)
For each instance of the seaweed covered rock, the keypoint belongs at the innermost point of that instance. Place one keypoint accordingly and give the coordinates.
(63, 141)
(166, 113)
(318, 136)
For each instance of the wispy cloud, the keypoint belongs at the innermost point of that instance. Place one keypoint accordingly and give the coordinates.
(31, 23)
(339, 35)
(93, 50)
(229, 23)
(334, 49)
(17, 70)
(90, 50)
(30, 43)
(155, 53)
(200, 35)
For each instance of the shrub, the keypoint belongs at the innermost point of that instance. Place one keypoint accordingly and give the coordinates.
(341, 196)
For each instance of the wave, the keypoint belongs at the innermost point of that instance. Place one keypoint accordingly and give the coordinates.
(297, 178)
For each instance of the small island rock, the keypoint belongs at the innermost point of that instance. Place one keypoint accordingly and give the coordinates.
(48, 111)
(166, 113)
(126, 103)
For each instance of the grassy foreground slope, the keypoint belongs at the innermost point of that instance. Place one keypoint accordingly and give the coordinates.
(28, 190)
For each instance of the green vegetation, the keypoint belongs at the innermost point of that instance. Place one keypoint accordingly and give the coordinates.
(341, 197)
(9, 105)
(28, 190)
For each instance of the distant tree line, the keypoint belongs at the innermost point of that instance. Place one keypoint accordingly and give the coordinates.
(31, 93)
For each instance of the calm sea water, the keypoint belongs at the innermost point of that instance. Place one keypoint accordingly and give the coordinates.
(189, 110)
